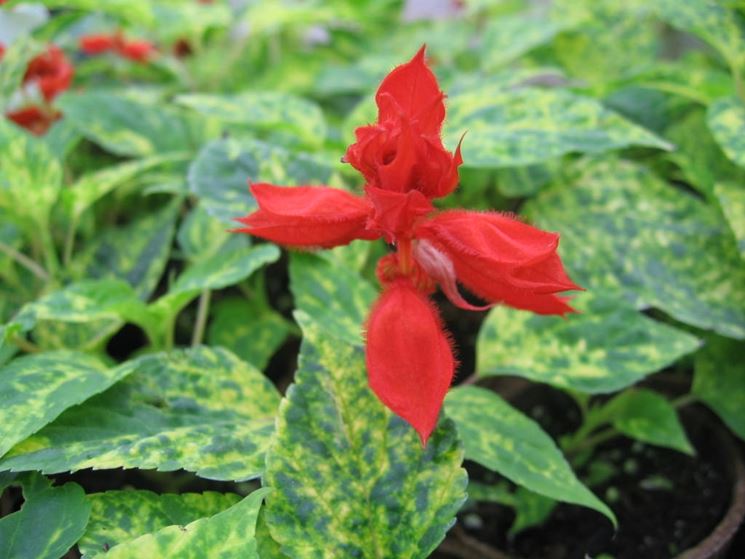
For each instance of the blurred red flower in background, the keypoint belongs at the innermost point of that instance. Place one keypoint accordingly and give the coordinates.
(409, 355)
(138, 51)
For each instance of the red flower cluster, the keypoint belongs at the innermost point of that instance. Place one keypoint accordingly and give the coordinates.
(409, 356)
(138, 51)
(51, 73)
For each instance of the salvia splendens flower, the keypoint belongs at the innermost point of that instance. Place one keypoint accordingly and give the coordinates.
(137, 51)
(409, 355)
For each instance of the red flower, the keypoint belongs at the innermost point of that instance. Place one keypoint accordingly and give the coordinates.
(138, 51)
(50, 71)
(409, 358)
(2, 51)
(36, 120)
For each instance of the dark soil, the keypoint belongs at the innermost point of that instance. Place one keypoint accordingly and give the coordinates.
(665, 501)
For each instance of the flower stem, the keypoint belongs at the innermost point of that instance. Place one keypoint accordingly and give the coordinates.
(202, 312)
(404, 256)
(25, 261)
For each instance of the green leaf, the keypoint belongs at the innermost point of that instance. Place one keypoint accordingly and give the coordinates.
(269, 111)
(49, 523)
(508, 37)
(726, 120)
(531, 509)
(201, 235)
(529, 126)
(626, 233)
(125, 126)
(709, 19)
(120, 516)
(331, 294)
(176, 20)
(137, 252)
(135, 11)
(13, 67)
(646, 416)
(220, 174)
(228, 535)
(350, 479)
(201, 409)
(604, 348)
(247, 327)
(30, 176)
(502, 439)
(731, 198)
(35, 389)
(719, 381)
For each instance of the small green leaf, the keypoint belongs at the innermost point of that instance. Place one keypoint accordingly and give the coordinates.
(125, 126)
(135, 11)
(502, 439)
(719, 380)
(120, 516)
(646, 416)
(136, 253)
(201, 235)
(35, 389)
(227, 535)
(726, 119)
(15, 60)
(220, 174)
(605, 347)
(331, 294)
(731, 198)
(49, 523)
(271, 110)
(202, 409)
(350, 479)
(247, 327)
(534, 125)
(628, 234)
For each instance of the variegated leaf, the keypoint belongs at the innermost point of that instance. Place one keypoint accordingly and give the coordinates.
(502, 439)
(201, 409)
(350, 479)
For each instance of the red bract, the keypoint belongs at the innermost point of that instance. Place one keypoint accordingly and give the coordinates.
(50, 71)
(409, 358)
(36, 120)
(138, 51)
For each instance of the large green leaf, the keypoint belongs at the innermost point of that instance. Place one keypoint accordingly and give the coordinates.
(227, 535)
(248, 327)
(628, 234)
(35, 389)
(502, 439)
(271, 110)
(526, 126)
(135, 11)
(647, 416)
(201, 409)
(120, 516)
(331, 294)
(125, 126)
(136, 252)
(719, 381)
(731, 198)
(49, 523)
(30, 176)
(200, 235)
(711, 20)
(350, 479)
(604, 348)
(220, 174)
(726, 119)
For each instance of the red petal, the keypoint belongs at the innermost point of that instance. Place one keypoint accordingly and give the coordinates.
(96, 44)
(51, 71)
(307, 216)
(396, 213)
(412, 91)
(410, 363)
(138, 51)
(502, 259)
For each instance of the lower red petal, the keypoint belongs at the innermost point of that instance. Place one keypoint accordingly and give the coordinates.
(410, 363)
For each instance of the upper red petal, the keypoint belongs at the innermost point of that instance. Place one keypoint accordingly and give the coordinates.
(139, 51)
(96, 44)
(411, 90)
(410, 363)
(307, 216)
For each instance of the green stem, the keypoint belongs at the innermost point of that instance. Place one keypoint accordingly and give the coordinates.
(684, 400)
(202, 313)
(25, 345)
(50, 253)
(69, 240)
(592, 441)
(25, 261)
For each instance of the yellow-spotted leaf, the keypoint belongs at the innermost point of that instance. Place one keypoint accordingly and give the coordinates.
(504, 440)
(35, 389)
(529, 125)
(120, 516)
(605, 347)
(731, 198)
(227, 535)
(49, 523)
(719, 381)
(349, 478)
(628, 234)
(202, 410)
